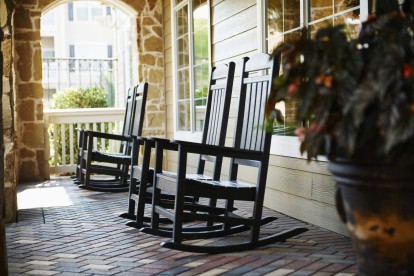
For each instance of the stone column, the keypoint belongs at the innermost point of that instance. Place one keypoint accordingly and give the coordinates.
(3, 249)
(151, 65)
(30, 129)
(150, 43)
(9, 176)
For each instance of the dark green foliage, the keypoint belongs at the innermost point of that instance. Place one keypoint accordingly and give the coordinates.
(357, 96)
(90, 97)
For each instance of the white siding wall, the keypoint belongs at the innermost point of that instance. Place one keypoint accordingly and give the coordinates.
(295, 187)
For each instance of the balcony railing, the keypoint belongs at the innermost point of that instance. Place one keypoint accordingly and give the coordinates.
(62, 73)
(62, 125)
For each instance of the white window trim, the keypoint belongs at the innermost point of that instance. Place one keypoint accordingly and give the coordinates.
(288, 146)
(192, 136)
(188, 136)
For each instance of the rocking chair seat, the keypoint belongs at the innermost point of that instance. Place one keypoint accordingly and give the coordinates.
(111, 157)
(199, 184)
(223, 189)
(170, 178)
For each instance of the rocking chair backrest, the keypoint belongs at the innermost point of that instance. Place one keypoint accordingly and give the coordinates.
(129, 109)
(256, 80)
(219, 96)
(217, 109)
(139, 109)
(134, 114)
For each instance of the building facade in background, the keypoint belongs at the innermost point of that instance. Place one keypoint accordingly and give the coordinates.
(87, 44)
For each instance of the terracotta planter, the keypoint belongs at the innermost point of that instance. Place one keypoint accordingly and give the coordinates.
(377, 205)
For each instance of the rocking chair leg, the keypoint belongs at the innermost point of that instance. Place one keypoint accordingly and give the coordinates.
(131, 203)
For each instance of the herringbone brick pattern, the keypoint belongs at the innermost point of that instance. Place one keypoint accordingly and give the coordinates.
(63, 230)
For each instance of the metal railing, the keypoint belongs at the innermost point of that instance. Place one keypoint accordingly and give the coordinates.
(63, 138)
(62, 73)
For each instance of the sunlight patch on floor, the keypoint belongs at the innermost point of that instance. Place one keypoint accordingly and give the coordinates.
(45, 194)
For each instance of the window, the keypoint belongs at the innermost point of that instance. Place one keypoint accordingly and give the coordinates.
(110, 55)
(71, 51)
(191, 42)
(82, 12)
(48, 46)
(282, 21)
(72, 58)
(70, 11)
(109, 50)
(96, 12)
(48, 53)
(86, 11)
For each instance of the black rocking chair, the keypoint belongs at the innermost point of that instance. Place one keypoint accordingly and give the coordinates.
(214, 133)
(110, 163)
(251, 148)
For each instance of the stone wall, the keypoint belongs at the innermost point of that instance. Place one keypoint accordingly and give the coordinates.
(3, 247)
(10, 179)
(25, 133)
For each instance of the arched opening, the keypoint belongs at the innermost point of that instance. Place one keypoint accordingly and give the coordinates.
(32, 145)
(87, 63)
(88, 44)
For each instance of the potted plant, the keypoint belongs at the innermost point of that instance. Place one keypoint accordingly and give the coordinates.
(356, 105)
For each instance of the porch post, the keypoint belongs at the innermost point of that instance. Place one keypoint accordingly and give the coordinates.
(3, 248)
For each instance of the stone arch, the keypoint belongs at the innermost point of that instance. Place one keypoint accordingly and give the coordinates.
(121, 5)
(31, 139)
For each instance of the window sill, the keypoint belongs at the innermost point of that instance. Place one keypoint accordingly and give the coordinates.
(188, 136)
(288, 146)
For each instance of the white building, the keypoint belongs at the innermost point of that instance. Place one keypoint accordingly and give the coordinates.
(85, 43)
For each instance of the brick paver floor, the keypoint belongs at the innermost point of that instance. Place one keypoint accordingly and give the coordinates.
(64, 230)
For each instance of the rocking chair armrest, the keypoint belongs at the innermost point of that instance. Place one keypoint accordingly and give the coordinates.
(111, 136)
(159, 140)
(138, 139)
(163, 143)
(219, 151)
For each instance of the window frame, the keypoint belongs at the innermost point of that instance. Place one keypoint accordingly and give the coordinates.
(192, 134)
(289, 146)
